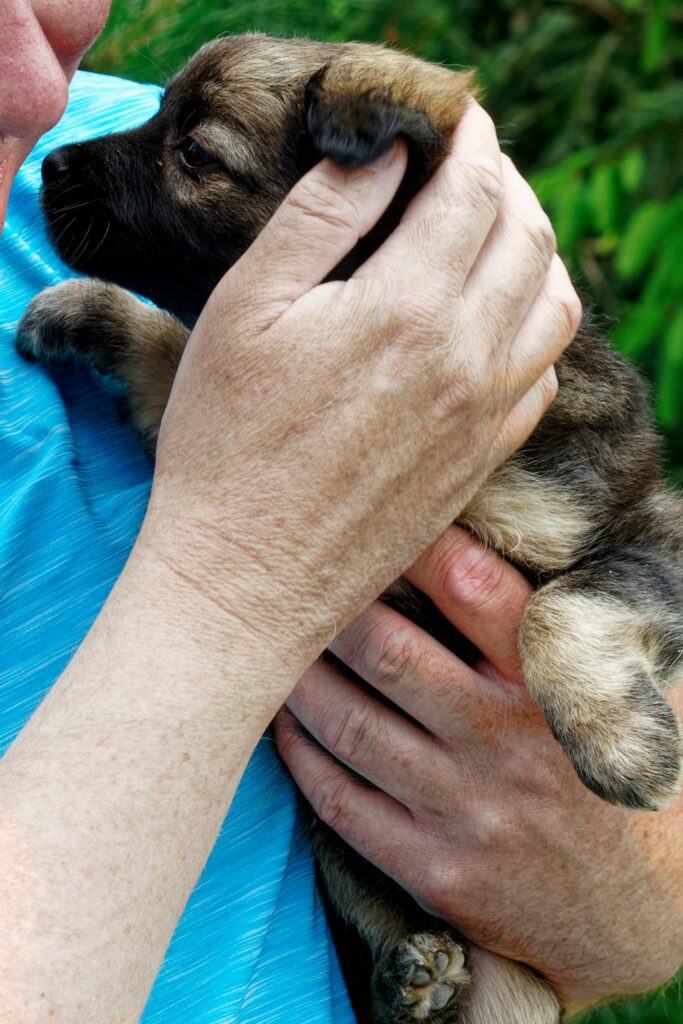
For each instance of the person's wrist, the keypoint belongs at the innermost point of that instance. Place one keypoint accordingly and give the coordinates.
(221, 591)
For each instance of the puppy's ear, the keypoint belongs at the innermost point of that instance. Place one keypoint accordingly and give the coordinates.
(356, 128)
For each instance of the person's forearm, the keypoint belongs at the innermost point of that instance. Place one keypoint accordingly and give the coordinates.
(112, 796)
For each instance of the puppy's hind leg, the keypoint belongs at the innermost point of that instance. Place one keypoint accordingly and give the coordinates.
(506, 992)
(422, 970)
(106, 327)
(418, 965)
(597, 645)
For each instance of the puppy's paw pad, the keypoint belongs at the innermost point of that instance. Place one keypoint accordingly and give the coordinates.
(423, 974)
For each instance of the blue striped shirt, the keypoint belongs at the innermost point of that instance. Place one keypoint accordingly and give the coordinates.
(253, 944)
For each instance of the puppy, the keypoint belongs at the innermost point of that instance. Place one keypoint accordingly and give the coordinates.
(164, 210)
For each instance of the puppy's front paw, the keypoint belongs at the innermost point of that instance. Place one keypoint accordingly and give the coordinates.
(418, 978)
(588, 663)
(70, 320)
(357, 128)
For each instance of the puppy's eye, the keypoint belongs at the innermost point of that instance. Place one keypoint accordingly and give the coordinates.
(193, 155)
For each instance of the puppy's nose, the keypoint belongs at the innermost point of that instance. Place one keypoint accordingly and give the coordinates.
(55, 167)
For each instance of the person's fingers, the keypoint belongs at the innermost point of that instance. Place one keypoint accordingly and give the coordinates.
(513, 263)
(445, 225)
(479, 592)
(522, 421)
(474, 141)
(414, 671)
(550, 324)
(382, 746)
(318, 223)
(374, 824)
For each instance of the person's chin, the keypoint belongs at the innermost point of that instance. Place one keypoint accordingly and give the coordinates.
(13, 152)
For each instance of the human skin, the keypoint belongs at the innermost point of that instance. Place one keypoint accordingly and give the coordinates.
(41, 44)
(477, 811)
(112, 795)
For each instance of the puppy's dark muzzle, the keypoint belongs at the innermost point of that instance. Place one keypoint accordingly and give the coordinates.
(79, 163)
(56, 167)
(71, 199)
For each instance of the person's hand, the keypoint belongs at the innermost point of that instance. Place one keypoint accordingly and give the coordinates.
(348, 422)
(474, 807)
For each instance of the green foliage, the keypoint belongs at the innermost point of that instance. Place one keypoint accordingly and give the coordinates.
(663, 1007)
(588, 98)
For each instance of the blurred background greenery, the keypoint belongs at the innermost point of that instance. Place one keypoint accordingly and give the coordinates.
(588, 98)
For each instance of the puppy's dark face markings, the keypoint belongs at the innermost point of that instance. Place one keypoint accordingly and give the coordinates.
(166, 208)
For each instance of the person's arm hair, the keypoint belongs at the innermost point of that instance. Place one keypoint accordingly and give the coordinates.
(281, 506)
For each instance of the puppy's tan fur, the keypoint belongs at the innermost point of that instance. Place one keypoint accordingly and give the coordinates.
(537, 523)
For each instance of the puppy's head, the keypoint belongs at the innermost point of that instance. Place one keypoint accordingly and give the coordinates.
(166, 208)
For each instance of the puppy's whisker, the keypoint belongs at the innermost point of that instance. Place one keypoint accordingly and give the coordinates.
(164, 72)
(102, 239)
(69, 189)
(60, 236)
(80, 252)
(73, 206)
